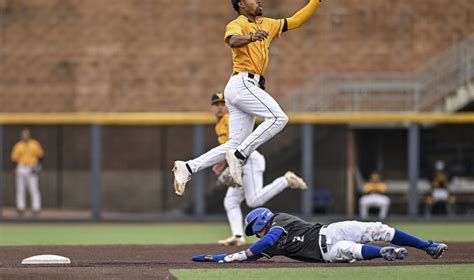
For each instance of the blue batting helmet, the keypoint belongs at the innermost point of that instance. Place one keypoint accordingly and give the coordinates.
(235, 4)
(256, 220)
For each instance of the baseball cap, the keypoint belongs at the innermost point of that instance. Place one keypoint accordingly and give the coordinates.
(217, 97)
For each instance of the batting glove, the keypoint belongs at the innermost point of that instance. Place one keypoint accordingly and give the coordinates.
(236, 257)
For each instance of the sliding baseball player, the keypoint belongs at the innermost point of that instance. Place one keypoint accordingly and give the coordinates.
(282, 234)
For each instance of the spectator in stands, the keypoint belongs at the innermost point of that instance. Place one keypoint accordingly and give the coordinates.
(27, 155)
(374, 197)
(439, 196)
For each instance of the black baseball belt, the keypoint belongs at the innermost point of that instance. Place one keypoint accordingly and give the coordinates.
(261, 81)
(323, 243)
(324, 246)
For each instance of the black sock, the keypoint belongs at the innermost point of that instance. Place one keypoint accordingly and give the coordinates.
(238, 236)
(189, 168)
(239, 155)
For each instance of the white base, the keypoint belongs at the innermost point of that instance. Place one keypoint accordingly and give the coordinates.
(46, 259)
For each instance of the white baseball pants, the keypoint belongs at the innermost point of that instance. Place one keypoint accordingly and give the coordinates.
(25, 176)
(252, 190)
(245, 101)
(344, 240)
(380, 201)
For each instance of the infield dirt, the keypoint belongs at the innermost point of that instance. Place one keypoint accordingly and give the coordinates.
(154, 262)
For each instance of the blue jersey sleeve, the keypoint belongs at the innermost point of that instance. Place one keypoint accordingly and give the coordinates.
(267, 241)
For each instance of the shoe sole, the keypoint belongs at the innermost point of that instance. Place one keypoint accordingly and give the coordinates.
(441, 252)
(301, 184)
(177, 188)
(402, 254)
(389, 255)
(229, 158)
(392, 254)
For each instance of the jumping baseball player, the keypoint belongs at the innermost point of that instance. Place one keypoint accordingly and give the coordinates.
(286, 235)
(26, 154)
(249, 37)
(252, 185)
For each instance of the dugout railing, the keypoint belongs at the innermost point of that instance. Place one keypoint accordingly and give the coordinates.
(196, 129)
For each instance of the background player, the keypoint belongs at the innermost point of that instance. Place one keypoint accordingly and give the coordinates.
(249, 36)
(286, 235)
(252, 186)
(374, 196)
(26, 154)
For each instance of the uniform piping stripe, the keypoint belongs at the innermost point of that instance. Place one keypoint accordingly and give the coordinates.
(276, 118)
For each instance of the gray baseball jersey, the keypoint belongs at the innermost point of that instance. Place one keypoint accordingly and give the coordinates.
(299, 241)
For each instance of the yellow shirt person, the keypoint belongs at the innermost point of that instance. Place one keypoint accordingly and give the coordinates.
(374, 197)
(222, 129)
(27, 152)
(375, 187)
(253, 57)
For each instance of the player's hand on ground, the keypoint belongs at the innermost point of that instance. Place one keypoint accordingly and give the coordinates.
(236, 257)
(259, 35)
(209, 258)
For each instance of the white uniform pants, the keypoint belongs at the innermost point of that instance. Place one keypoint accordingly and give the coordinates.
(380, 201)
(245, 101)
(252, 190)
(25, 176)
(344, 240)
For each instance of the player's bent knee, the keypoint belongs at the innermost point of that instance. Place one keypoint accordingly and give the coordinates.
(379, 232)
(282, 120)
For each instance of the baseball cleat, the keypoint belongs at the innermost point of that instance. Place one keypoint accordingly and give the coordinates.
(295, 181)
(436, 250)
(236, 167)
(232, 241)
(181, 177)
(393, 253)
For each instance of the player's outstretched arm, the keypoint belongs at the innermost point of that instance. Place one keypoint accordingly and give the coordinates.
(302, 16)
(255, 251)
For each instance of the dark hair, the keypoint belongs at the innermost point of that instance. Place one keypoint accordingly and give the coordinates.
(235, 4)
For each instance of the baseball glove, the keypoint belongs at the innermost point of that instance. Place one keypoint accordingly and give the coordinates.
(224, 180)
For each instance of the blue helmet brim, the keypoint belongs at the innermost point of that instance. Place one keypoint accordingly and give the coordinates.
(249, 230)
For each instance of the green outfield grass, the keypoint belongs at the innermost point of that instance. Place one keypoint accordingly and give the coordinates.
(102, 234)
(444, 272)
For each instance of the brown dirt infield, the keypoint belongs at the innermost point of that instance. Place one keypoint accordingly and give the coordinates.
(154, 262)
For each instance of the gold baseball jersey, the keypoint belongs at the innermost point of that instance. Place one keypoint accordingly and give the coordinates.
(253, 57)
(372, 187)
(222, 129)
(27, 153)
(440, 180)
